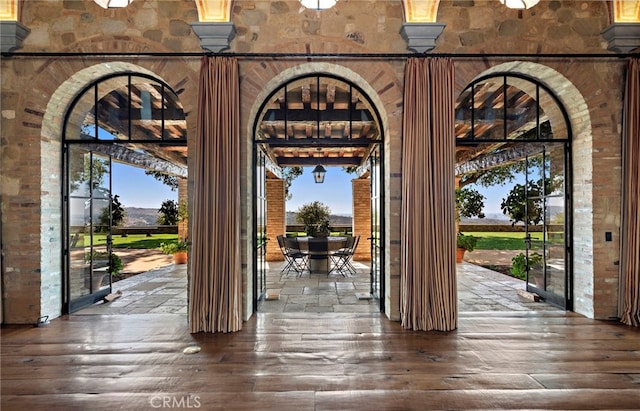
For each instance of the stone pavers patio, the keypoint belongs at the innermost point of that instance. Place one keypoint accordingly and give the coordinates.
(164, 290)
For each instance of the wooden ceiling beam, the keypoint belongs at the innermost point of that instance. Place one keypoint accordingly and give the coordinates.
(147, 161)
(325, 161)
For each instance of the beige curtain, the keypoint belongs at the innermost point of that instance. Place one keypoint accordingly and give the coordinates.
(428, 270)
(630, 254)
(215, 286)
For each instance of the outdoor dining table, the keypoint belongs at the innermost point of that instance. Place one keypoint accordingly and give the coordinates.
(319, 250)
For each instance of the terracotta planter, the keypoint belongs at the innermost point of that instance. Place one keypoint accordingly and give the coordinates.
(180, 257)
(459, 254)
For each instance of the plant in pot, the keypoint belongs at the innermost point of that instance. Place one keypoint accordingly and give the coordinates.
(176, 248)
(315, 219)
(464, 243)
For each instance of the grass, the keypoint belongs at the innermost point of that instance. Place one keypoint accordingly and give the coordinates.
(502, 240)
(486, 240)
(134, 241)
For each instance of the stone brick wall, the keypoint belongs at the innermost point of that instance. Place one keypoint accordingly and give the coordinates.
(276, 218)
(362, 217)
(37, 91)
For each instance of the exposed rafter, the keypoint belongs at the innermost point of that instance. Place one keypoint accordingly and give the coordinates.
(143, 160)
(506, 156)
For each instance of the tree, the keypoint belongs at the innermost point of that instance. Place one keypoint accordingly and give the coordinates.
(469, 203)
(315, 218)
(118, 214)
(289, 174)
(168, 213)
(524, 203)
(93, 171)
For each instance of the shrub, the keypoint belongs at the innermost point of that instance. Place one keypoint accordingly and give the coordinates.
(116, 262)
(174, 247)
(519, 264)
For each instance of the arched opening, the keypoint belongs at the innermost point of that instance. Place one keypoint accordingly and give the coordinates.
(125, 118)
(319, 120)
(513, 131)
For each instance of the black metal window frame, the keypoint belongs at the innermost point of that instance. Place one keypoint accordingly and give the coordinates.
(566, 141)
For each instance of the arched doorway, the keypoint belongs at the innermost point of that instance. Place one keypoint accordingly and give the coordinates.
(512, 123)
(319, 119)
(126, 117)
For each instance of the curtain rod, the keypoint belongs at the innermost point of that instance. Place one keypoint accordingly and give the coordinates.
(395, 56)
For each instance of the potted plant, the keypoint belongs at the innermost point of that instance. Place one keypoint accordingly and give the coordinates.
(178, 249)
(315, 219)
(464, 243)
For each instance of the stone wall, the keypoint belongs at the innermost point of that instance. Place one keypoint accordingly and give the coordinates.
(37, 90)
(361, 213)
(276, 217)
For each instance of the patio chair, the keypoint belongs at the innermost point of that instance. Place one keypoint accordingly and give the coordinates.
(342, 258)
(296, 258)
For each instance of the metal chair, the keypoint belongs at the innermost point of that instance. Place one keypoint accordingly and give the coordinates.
(342, 258)
(295, 256)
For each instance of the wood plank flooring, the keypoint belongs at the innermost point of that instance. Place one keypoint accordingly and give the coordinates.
(322, 361)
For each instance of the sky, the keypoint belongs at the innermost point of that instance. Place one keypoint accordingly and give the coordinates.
(135, 189)
(335, 192)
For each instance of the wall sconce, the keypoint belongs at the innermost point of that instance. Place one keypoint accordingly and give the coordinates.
(519, 4)
(318, 174)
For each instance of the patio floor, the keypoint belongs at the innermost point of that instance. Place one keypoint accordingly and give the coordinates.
(164, 291)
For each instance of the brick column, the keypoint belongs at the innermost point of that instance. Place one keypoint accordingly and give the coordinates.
(362, 217)
(183, 226)
(276, 218)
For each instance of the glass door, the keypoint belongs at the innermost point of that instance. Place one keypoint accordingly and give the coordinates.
(547, 226)
(88, 233)
(260, 285)
(375, 166)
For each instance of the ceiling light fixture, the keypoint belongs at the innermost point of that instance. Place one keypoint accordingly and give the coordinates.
(519, 4)
(318, 4)
(113, 4)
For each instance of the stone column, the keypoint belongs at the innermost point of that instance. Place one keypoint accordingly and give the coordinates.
(276, 218)
(362, 217)
(183, 226)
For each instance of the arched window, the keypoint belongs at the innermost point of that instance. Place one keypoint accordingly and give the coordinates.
(513, 132)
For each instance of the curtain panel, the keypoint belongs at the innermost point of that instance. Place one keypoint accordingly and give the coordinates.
(215, 284)
(630, 252)
(428, 299)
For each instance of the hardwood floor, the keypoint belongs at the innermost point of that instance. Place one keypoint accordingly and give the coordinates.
(322, 361)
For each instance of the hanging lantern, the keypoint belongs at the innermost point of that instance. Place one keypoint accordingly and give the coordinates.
(318, 174)
(519, 4)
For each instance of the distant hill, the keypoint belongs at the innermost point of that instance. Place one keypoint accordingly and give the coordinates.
(141, 216)
(137, 216)
(333, 219)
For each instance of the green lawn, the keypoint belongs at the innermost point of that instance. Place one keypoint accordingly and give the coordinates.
(501, 240)
(134, 241)
(486, 240)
